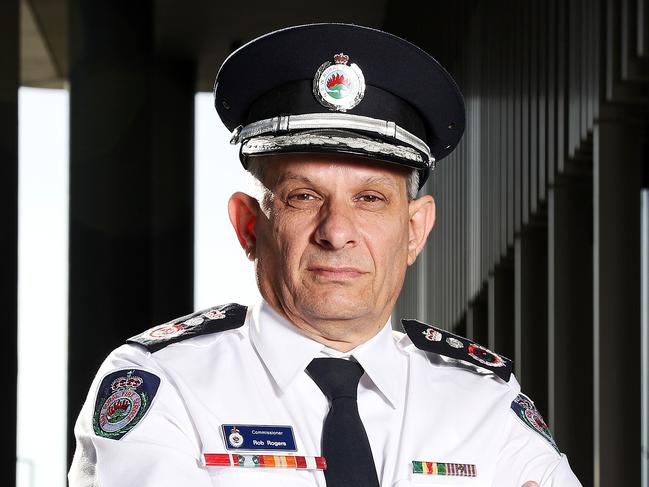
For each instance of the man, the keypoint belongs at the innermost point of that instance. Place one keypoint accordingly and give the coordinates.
(341, 126)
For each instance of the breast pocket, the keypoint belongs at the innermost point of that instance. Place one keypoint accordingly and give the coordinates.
(250, 477)
(441, 481)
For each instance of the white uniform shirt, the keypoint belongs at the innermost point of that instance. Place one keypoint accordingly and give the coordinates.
(415, 406)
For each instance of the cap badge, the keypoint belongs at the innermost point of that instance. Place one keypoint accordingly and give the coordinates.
(339, 86)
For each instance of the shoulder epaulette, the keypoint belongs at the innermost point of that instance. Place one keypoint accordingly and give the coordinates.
(213, 320)
(432, 339)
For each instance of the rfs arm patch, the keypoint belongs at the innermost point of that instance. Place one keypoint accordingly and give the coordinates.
(123, 399)
(526, 412)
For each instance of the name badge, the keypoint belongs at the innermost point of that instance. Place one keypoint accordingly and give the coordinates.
(258, 437)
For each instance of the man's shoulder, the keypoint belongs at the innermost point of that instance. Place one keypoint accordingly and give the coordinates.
(467, 354)
(208, 321)
(442, 342)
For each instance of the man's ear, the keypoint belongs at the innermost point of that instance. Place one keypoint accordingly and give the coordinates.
(243, 210)
(422, 219)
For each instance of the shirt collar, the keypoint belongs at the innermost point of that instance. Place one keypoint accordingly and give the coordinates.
(285, 351)
(272, 335)
(383, 363)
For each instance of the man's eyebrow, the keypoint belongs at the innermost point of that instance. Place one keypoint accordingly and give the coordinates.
(381, 180)
(287, 176)
(292, 176)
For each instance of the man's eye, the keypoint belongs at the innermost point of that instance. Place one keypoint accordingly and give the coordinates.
(301, 197)
(369, 198)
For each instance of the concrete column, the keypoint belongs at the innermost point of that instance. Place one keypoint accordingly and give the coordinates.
(501, 309)
(570, 318)
(9, 82)
(616, 300)
(172, 190)
(131, 185)
(477, 318)
(531, 323)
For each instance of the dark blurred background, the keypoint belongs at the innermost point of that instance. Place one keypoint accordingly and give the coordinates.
(538, 252)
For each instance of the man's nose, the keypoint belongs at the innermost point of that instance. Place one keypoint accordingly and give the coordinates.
(336, 229)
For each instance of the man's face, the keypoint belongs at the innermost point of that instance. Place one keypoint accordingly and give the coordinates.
(332, 243)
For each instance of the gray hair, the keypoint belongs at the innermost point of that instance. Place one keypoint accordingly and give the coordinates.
(258, 171)
(412, 184)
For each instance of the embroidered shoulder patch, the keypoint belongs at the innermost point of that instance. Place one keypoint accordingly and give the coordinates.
(432, 339)
(123, 399)
(526, 411)
(212, 320)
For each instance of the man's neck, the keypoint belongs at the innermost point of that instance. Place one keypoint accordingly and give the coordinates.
(340, 335)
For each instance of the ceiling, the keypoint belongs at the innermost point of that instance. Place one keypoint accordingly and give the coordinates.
(200, 30)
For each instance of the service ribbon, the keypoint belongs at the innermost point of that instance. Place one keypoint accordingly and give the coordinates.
(264, 461)
(446, 469)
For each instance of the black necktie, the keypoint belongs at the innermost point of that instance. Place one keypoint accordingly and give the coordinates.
(344, 441)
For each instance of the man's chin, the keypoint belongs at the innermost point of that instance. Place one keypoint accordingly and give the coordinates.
(334, 308)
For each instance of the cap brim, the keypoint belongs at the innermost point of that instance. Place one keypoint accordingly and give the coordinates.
(336, 141)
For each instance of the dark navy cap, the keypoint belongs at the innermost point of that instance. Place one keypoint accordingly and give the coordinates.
(340, 88)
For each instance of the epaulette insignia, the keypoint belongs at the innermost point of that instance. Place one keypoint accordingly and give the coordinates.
(442, 342)
(525, 410)
(212, 320)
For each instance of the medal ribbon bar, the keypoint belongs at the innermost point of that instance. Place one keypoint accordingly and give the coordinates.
(446, 469)
(264, 461)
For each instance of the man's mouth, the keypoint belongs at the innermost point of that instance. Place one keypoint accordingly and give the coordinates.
(336, 273)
